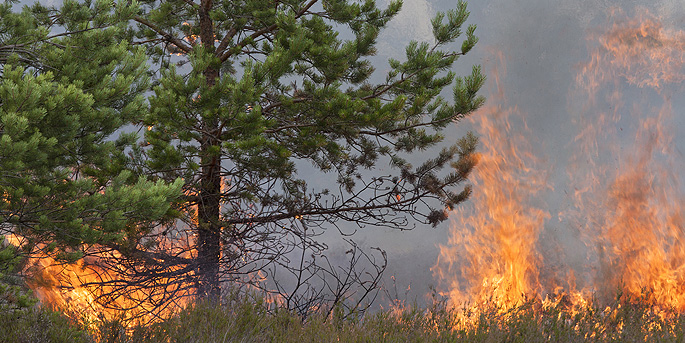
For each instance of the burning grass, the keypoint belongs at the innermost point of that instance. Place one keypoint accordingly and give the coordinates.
(242, 319)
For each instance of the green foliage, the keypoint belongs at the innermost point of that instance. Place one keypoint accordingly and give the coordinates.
(13, 296)
(35, 325)
(64, 98)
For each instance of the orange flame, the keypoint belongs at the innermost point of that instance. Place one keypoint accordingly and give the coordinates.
(492, 252)
(69, 288)
(637, 233)
(627, 200)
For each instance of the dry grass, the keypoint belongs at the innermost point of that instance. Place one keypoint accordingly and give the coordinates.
(248, 320)
(624, 320)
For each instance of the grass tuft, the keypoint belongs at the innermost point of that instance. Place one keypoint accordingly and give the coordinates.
(249, 319)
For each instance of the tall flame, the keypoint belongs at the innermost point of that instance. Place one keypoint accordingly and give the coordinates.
(631, 214)
(497, 242)
(626, 199)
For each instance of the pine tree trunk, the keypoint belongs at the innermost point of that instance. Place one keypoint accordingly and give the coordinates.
(209, 208)
(209, 231)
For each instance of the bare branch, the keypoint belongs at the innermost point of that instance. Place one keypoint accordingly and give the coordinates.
(167, 36)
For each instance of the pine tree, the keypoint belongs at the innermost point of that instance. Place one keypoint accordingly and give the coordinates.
(250, 100)
(68, 87)
(250, 93)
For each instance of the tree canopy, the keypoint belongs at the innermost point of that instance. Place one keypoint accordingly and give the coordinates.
(249, 101)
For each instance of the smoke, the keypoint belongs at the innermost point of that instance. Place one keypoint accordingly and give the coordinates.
(544, 45)
(591, 86)
(412, 23)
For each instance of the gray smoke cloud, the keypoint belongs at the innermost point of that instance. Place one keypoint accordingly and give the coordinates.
(538, 48)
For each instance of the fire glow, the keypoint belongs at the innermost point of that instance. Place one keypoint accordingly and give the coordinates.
(73, 288)
(622, 190)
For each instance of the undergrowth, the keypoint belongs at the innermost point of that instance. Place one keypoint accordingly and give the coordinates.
(241, 319)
